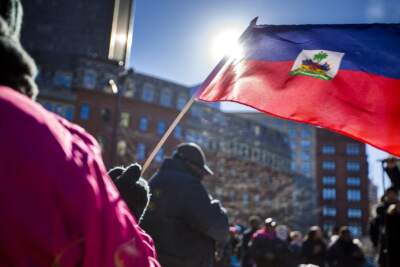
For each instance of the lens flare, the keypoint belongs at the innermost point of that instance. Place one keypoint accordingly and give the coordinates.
(226, 44)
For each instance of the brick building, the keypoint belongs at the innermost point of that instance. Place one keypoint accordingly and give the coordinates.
(342, 182)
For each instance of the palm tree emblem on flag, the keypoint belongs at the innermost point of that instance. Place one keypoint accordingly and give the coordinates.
(321, 64)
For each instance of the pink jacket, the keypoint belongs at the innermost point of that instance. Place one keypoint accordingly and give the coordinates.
(58, 207)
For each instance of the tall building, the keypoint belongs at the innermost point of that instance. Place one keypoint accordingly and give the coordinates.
(342, 182)
(56, 32)
(302, 143)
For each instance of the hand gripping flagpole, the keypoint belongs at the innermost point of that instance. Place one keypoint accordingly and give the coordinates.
(189, 104)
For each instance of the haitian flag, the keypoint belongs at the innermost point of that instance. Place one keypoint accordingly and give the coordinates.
(342, 77)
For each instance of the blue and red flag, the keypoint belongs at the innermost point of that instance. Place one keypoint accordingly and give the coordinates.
(342, 77)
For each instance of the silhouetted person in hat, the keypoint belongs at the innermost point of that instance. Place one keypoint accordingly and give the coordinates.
(184, 221)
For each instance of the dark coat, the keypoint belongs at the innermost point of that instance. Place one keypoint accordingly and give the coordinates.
(393, 239)
(314, 252)
(183, 220)
(244, 248)
(345, 254)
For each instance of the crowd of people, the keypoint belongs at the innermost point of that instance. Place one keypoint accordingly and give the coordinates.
(274, 245)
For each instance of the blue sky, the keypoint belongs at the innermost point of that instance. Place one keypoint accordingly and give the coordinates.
(172, 38)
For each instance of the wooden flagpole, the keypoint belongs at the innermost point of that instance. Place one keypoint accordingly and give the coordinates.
(167, 134)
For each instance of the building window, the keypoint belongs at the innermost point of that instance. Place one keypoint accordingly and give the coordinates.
(355, 230)
(305, 156)
(328, 149)
(124, 119)
(105, 114)
(160, 155)
(305, 133)
(353, 166)
(143, 124)
(329, 193)
(89, 79)
(181, 101)
(69, 113)
(178, 132)
(353, 181)
(292, 133)
(140, 151)
(353, 149)
(328, 165)
(329, 180)
(305, 143)
(354, 213)
(196, 111)
(63, 79)
(245, 199)
(329, 211)
(102, 142)
(147, 93)
(121, 148)
(306, 168)
(161, 127)
(166, 98)
(84, 113)
(353, 195)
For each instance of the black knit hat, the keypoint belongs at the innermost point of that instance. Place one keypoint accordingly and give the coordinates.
(17, 68)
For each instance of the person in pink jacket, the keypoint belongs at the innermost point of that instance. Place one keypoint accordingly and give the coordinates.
(58, 207)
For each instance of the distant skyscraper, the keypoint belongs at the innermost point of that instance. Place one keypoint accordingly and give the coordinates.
(342, 182)
(56, 32)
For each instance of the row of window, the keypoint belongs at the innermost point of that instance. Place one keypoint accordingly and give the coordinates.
(352, 166)
(351, 149)
(352, 213)
(330, 194)
(65, 111)
(351, 181)
(140, 151)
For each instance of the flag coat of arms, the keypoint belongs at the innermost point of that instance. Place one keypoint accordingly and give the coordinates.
(342, 77)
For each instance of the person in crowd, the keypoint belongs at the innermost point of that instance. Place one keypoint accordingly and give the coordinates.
(392, 233)
(134, 190)
(254, 225)
(334, 235)
(58, 207)
(392, 170)
(284, 257)
(296, 243)
(263, 245)
(377, 225)
(344, 252)
(314, 247)
(183, 219)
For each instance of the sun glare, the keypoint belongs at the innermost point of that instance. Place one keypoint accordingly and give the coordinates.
(226, 44)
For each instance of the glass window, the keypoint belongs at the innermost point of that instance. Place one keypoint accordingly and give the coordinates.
(329, 180)
(69, 113)
(328, 193)
(63, 79)
(353, 195)
(257, 130)
(353, 181)
(353, 149)
(178, 132)
(84, 112)
(305, 133)
(181, 101)
(124, 119)
(355, 230)
(121, 148)
(143, 124)
(160, 155)
(353, 166)
(328, 149)
(105, 114)
(161, 127)
(305, 143)
(306, 168)
(328, 165)
(292, 133)
(140, 151)
(166, 98)
(148, 93)
(354, 213)
(305, 156)
(329, 211)
(196, 111)
(89, 79)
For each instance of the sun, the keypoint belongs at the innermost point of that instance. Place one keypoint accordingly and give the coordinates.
(226, 44)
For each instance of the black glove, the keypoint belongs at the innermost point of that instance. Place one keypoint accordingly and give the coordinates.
(134, 190)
